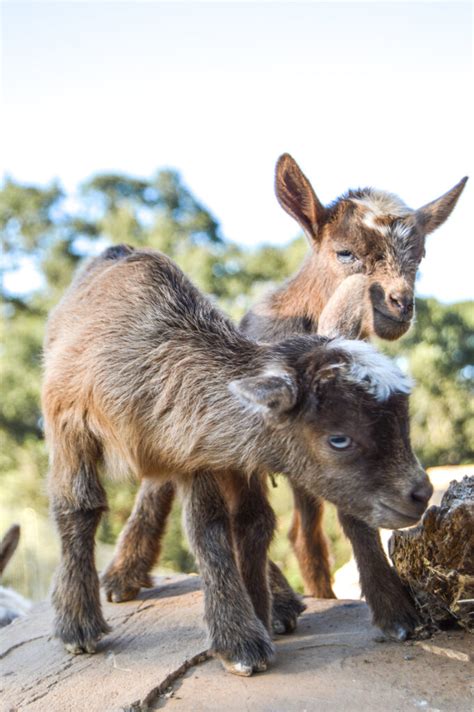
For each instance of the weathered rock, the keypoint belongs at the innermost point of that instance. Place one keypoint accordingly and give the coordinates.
(436, 559)
(156, 657)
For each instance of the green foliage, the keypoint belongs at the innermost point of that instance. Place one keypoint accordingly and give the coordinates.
(439, 351)
(26, 217)
(44, 228)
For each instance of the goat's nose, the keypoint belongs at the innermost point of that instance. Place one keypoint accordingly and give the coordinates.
(403, 302)
(422, 492)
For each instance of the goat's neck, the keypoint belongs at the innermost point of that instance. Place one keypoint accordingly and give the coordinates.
(303, 295)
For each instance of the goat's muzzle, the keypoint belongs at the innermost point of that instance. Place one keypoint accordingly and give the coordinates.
(396, 512)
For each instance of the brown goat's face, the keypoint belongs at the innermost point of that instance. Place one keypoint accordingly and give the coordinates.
(337, 423)
(365, 231)
(385, 248)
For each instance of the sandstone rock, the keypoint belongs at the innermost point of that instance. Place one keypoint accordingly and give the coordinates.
(156, 657)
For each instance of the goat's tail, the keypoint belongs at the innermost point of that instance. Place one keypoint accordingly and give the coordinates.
(8, 545)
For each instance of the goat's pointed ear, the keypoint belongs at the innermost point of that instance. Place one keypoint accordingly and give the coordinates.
(433, 214)
(296, 195)
(270, 392)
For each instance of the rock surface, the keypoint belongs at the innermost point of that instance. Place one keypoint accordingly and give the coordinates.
(156, 657)
(436, 559)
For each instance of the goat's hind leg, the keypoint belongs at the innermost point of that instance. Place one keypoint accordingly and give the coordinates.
(253, 524)
(310, 544)
(138, 547)
(253, 527)
(238, 637)
(78, 501)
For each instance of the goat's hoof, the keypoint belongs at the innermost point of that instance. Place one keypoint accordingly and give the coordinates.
(286, 626)
(244, 669)
(121, 596)
(247, 655)
(238, 668)
(85, 645)
(398, 633)
(400, 628)
(278, 627)
(285, 613)
(80, 648)
(78, 639)
(119, 588)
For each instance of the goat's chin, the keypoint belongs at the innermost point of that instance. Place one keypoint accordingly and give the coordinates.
(384, 517)
(387, 328)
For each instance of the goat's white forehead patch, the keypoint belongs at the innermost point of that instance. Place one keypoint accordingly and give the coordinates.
(379, 204)
(373, 370)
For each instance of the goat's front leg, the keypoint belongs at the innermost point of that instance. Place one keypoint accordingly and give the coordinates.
(253, 523)
(77, 509)
(392, 608)
(348, 313)
(139, 545)
(253, 527)
(237, 636)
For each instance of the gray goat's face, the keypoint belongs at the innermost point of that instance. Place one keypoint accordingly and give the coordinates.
(337, 423)
(362, 457)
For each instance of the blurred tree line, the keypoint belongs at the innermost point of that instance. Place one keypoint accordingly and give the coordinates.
(45, 229)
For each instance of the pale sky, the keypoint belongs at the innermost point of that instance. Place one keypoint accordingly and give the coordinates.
(370, 93)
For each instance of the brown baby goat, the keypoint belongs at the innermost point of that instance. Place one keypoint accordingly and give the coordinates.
(142, 373)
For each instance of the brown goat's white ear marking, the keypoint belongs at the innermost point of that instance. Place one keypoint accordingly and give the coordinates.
(297, 197)
(272, 392)
(434, 214)
(377, 373)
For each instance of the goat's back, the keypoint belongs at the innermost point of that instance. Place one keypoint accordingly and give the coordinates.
(117, 310)
(132, 347)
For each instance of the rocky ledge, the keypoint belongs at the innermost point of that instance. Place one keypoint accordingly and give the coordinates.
(156, 656)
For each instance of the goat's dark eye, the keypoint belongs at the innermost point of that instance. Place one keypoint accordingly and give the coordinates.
(345, 256)
(340, 442)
